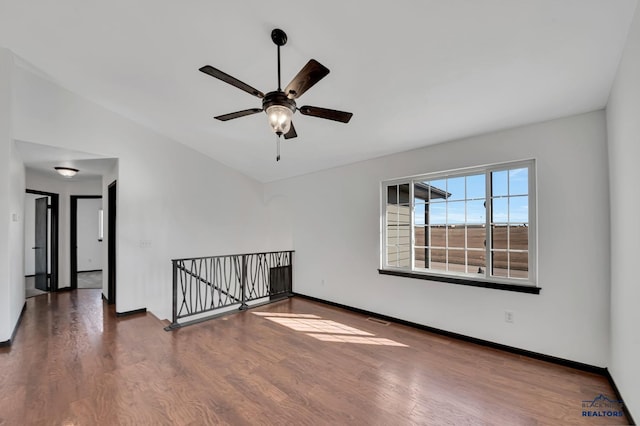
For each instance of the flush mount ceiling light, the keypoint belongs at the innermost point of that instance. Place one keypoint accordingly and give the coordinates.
(66, 171)
(281, 105)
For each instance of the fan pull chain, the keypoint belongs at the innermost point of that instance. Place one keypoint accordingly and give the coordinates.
(278, 144)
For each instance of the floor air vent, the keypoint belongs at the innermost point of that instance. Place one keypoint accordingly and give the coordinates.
(378, 321)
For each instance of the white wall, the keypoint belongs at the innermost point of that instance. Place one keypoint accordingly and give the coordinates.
(16, 234)
(623, 125)
(335, 217)
(6, 65)
(64, 188)
(89, 248)
(172, 201)
(11, 209)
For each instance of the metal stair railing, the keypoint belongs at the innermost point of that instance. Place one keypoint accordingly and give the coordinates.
(207, 285)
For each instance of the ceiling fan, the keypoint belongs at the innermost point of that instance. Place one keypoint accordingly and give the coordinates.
(281, 105)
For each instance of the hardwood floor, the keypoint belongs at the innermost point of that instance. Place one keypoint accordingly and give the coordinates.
(294, 362)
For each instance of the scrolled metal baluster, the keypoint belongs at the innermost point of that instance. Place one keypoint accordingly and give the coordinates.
(208, 283)
(243, 273)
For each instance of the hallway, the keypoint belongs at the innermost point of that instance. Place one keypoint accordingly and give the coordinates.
(293, 362)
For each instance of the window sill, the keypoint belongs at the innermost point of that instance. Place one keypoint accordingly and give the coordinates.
(463, 281)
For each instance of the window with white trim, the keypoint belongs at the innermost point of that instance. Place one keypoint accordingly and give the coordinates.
(476, 224)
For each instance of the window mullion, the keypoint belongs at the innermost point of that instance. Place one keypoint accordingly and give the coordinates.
(411, 226)
(488, 214)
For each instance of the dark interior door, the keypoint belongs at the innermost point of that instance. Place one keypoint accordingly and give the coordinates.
(111, 243)
(73, 237)
(40, 248)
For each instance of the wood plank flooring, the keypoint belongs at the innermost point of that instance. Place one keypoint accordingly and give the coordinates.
(294, 362)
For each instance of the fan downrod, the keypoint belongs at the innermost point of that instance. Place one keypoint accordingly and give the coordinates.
(279, 37)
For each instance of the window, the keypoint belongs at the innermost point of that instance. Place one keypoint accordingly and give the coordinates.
(476, 224)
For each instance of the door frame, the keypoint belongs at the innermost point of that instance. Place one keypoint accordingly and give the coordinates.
(41, 246)
(53, 242)
(111, 241)
(73, 234)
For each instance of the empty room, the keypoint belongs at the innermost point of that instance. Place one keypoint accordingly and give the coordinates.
(335, 213)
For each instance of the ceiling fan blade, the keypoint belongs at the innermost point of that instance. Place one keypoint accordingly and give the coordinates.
(238, 114)
(329, 114)
(309, 75)
(214, 72)
(291, 133)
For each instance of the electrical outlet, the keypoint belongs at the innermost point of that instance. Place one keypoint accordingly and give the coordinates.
(508, 316)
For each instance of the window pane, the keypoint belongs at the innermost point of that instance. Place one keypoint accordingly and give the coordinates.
(500, 210)
(421, 255)
(403, 193)
(421, 192)
(519, 264)
(419, 214)
(455, 212)
(419, 233)
(500, 264)
(438, 260)
(476, 261)
(392, 256)
(456, 236)
(456, 261)
(499, 183)
(437, 214)
(475, 186)
(476, 212)
(476, 236)
(519, 209)
(404, 215)
(392, 194)
(455, 187)
(392, 214)
(404, 256)
(392, 235)
(438, 190)
(499, 237)
(519, 181)
(438, 236)
(518, 237)
(404, 235)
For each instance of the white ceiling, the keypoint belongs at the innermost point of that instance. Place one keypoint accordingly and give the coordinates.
(413, 72)
(43, 159)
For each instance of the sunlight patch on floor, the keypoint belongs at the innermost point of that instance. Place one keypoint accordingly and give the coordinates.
(284, 315)
(318, 326)
(326, 330)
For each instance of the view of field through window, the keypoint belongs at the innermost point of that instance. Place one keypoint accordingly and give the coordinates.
(450, 224)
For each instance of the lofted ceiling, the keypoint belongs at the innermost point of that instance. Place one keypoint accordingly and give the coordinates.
(413, 73)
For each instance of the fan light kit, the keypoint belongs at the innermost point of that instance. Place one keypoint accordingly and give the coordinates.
(280, 105)
(67, 172)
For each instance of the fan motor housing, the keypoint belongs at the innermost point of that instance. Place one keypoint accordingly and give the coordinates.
(278, 98)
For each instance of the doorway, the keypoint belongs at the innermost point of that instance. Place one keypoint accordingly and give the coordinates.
(111, 242)
(85, 241)
(41, 248)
